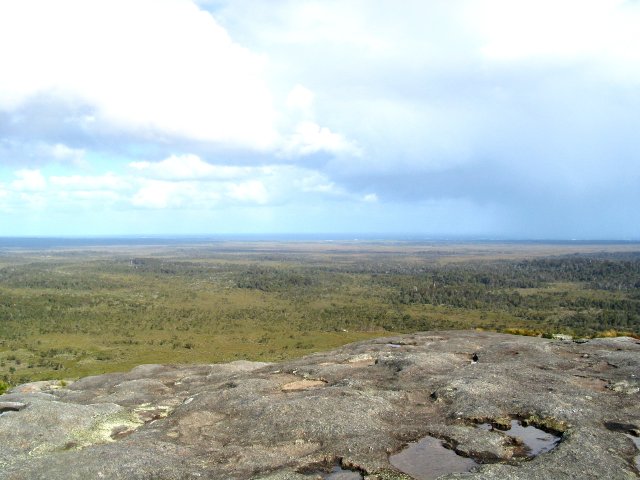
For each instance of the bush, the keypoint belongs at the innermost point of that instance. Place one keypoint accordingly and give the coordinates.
(522, 331)
(4, 386)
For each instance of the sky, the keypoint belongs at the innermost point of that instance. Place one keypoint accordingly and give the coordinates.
(483, 118)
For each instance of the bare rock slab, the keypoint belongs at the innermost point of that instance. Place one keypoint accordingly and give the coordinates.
(344, 412)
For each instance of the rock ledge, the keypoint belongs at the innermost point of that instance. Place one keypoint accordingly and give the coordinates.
(354, 407)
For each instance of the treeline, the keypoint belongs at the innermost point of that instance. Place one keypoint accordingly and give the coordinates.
(527, 289)
(601, 274)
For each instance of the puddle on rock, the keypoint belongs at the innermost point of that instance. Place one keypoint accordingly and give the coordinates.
(429, 459)
(535, 440)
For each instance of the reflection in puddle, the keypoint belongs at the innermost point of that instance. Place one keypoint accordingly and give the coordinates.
(339, 473)
(537, 441)
(428, 459)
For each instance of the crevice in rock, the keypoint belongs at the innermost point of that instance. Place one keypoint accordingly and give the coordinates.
(334, 469)
(11, 407)
(546, 424)
(632, 432)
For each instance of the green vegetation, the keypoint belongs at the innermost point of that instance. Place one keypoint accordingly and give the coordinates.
(69, 313)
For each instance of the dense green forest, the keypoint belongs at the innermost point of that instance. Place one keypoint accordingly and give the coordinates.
(67, 313)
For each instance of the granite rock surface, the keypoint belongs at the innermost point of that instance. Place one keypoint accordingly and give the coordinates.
(352, 407)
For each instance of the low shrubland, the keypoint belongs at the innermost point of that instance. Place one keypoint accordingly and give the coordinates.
(65, 314)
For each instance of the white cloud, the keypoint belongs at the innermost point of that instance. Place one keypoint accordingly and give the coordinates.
(310, 138)
(252, 191)
(159, 194)
(187, 181)
(156, 194)
(316, 182)
(599, 32)
(198, 195)
(165, 67)
(109, 181)
(34, 190)
(60, 151)
(86, 199)
(190, 167)
(152, 71)
(486, 100)
(22, 150)
(29, 181)
(175, 167)
(178, 182)
(307, 23)
(301, 98)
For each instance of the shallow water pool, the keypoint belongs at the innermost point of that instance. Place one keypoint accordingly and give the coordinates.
(428, 459)
(535, 440)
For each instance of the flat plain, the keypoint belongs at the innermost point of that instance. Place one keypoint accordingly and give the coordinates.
(67, 312)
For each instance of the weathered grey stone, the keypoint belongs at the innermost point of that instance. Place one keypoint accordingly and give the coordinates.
(11, 406)
(353, 406)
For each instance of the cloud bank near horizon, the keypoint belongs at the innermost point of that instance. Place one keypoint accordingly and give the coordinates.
(464, 117)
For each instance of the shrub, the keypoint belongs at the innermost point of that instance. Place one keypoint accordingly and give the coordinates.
(4, 386)
(522, 331)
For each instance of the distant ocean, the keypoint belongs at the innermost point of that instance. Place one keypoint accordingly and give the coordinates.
(168, 240)
(142, 240)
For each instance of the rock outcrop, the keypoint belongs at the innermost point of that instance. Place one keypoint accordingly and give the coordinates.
(350, 408)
